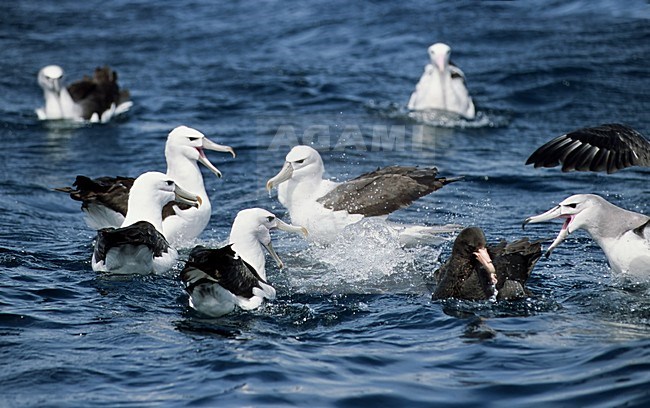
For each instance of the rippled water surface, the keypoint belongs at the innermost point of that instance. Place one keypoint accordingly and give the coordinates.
(354, 324)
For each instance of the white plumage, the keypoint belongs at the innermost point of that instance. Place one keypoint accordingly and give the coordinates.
(624, 236)
(442, 86)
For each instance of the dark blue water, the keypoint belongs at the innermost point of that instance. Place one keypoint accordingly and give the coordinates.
(353, 325)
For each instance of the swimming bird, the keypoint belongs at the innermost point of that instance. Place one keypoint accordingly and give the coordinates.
(609, 147)
(477, 271)
(623, 235)
(219, 279)
(442, 86)
(325, 207)
(138, 245)
(96, 99)
(104, 200)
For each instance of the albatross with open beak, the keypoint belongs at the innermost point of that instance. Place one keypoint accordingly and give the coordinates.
(219, 279)
(623, 235)
(104, 200)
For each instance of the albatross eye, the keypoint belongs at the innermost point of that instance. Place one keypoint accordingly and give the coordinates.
(169, 182)
(192, 139)
(270, 218)
(301, 161)
(572, 205)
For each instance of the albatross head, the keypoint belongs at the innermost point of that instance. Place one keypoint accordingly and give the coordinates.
(252, 227)
(190, 143)
(49, 78)
(470, 243)
(439, 54)
(302, 163)
(149, 193)
(580, 211)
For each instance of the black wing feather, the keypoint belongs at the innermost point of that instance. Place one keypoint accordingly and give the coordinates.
(222, 266)
(96, 94)
(608, 147)
(140, 233)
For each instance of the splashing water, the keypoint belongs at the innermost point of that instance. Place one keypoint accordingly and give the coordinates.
(366, 258)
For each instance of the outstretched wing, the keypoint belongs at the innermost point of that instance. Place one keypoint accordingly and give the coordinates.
(110, 192)
(609, 147)
(385, 190)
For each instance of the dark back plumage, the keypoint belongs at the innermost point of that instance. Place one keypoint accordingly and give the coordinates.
(221, 266)
(385, 190)
(463, 277)
(609, 147)
(110, 192)
(140, 233)
(96, 94)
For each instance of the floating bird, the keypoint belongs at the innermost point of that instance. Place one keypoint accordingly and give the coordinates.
(138, 245)
(609, 147)
(96, 99)
(217, 280)
(325, 207)
(623, 235)
(442, 86)
(477, 271)
(104, 200)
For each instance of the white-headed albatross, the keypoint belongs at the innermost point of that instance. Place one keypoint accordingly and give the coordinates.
(219, 279)
(442, 86)
(104, 200)
(138, 245)
(623, 235)
(96, 99)
(609, 147)
(325, 207)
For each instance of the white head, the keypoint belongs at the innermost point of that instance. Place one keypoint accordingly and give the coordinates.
(187, 142)
(301, 163)
(50, 77)
(149, 193)
(439, 54)
(252, 228)
(580, 211)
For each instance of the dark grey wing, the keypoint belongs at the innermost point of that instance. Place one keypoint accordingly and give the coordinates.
(110, 192)
(385, 190)
(642, 230)
(140, 233)
(168, 209)
(96, 94)
(514, 261)
(221, 266)
(456, 73)
(609, 147)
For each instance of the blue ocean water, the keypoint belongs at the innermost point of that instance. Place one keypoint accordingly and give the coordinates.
(354, 324)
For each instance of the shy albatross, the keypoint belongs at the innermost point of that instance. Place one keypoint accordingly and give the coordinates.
(325, 207)
(442, 86)
(478, 271)
(219, 279)
(609, 147)
(138, 245)
(94, 99)
(104, 199)
(623, 235)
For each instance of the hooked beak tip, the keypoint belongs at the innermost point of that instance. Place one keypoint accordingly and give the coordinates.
(269, 186)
